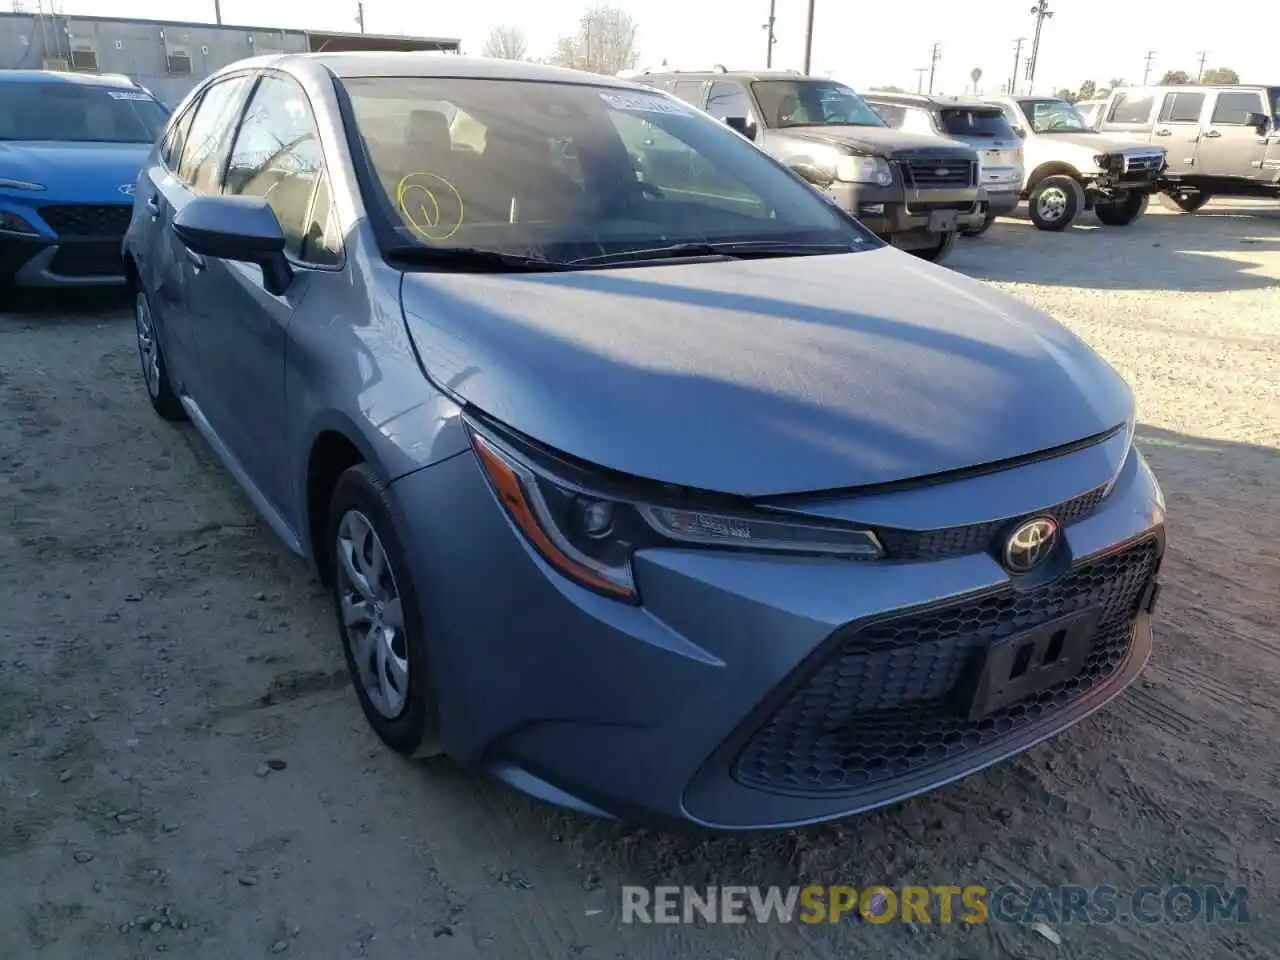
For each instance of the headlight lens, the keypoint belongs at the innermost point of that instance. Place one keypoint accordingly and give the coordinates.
(591, 536)
(1129, 427)
(12, 223)
(864, 170)
(8, 184)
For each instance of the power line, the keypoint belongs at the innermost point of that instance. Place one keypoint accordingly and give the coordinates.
(1017, 59)
(1042, 13)
(934, 57)
(1146, 73)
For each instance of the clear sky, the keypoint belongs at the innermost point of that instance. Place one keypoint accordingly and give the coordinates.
(862, 42)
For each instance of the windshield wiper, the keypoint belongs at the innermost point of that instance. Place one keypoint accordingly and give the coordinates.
(735, 250)
(491, 260)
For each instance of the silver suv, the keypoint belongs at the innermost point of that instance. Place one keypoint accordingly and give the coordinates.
(982, 127)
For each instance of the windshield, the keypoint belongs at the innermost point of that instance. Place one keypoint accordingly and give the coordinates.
(564, 172)
(78, 112)
(976, 123)
(805, 103)
(1052, 116)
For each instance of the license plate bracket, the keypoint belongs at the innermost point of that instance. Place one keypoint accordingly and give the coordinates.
(942, 221)
(1024, 663)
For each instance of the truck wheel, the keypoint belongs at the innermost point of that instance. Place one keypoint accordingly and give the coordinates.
(1184, 202)
(1054, 202)
(938, 252)
(1122, 211)
(979, 231)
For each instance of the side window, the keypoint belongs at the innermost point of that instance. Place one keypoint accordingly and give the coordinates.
(1016, 120)
(891, 114)
(1182, 108)
(322, 244)
(277, 157)
(1130, 108)
(176, 138)
(1234, 108)
(210, 134)
(690, 91)
(728, 100)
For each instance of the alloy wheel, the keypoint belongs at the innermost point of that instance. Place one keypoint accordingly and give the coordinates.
(1051, 204)
(372, 616)
(148, 352)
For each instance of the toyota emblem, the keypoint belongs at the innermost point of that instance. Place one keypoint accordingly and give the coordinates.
(1029, 545)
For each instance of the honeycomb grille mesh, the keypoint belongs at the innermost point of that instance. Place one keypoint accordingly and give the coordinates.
(877, 707)
(87, 220)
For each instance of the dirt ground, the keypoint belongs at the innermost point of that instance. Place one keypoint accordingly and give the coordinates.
(158, 649)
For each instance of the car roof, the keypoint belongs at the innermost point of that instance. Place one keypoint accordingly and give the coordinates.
(732, 75)
(419, 63)
(61, 76)
(1195, 87)
(923, 100)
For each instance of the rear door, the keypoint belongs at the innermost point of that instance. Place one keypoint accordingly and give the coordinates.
(1228, 146)
(1177, 128)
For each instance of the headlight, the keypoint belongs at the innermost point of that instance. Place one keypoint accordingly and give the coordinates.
(8, 184)
(590, 535)
(12, 223)
(1110, 163)
(864, 170)
(1129, 427)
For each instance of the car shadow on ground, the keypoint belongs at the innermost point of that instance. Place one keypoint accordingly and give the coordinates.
(1138, 794)
(1215, 250)
(71, 305)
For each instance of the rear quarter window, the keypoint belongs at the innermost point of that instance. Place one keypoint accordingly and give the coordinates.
(975, 123)
(1130, 108)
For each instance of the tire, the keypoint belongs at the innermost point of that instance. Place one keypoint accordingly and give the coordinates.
(1184, 202)
(979, 231)
(1054, 203)
(938, 252)
(392, 677)
(154, 369)
(1122, 212)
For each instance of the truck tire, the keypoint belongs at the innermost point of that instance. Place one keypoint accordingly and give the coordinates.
(1054, 203)
(979, 231)
(1184, 202)
(939, 251)
(1122, 211)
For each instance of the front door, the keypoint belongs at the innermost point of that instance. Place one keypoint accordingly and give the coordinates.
(1177, 129)
(1228, 146)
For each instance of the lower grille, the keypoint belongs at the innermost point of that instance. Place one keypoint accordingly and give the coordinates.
(925, 173)
(977, 537)
(877, 705)
(99, 258)
(87, 220)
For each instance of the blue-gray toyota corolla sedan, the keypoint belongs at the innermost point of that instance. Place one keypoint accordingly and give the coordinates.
(643, 477)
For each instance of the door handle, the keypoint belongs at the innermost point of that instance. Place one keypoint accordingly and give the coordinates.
(1164, 133)
(1211, 133)
(153, 205)
(197, 261)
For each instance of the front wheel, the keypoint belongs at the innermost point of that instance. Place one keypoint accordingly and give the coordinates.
(938, 251)
(155, 371)
(1123, 210)
(1180, 202)
(1054, 202)
(378, 617)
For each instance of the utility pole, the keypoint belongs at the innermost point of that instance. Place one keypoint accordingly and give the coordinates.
(1146, 73)
(360, 14)
(768, 57)
(808, 39)
(217, 12)
(1017, 59)
(934, 57)
(920, 72)
(1042, 13)
(1204, 55)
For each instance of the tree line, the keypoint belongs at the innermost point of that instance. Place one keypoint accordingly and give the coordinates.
(1089, 90)
(604, 42)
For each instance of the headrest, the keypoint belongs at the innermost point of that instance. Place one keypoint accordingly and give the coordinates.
(428, 127)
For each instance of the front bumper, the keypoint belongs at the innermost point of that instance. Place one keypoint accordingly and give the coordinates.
(685, 709)
(47, 258)
(894, 211)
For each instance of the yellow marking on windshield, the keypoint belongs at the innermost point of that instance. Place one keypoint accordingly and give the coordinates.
(421, 208)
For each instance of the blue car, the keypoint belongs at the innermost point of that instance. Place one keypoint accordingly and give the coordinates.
(71, 146)
(641, 477)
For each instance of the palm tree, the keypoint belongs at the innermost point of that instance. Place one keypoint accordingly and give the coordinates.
(975, 75)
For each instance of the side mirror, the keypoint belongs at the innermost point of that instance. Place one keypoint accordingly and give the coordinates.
(741, 125)
(818, 176)
(244, 229)
(1259, 121)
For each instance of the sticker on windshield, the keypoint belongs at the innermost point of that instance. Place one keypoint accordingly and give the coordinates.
(127, 95)
(643, 102)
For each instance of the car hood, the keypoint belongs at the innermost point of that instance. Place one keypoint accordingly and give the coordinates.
(1098, 143)
(881, 141)
(763, 377)
(75, 172)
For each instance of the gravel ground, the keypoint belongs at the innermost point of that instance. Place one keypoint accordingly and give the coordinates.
(184, 769)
